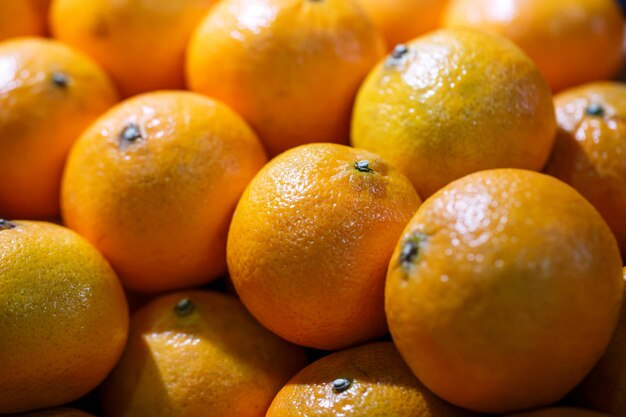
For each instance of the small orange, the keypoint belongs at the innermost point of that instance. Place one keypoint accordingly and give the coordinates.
(63, 316)
(590, 149)
(560, 412)
(455, 102)
(198, 353)
(290, 67)
(571, 41)
(140, 43)
(23, 18)
(55, 412)
(153, 184)
(504, 290)
(49, 93)
(310, 240)
(367, 381)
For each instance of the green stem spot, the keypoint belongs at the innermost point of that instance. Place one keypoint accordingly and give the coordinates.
(594, 109)
(411, 250)
(60, 79)
(399, 51)
(184, 307)
(341, 384)
(363, 166)
(5, 225)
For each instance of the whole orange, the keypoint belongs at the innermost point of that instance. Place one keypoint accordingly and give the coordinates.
(571, 41)
(49, 93)
(310, 241)
(23, 18)
(560, 412)
(153, 184)
(290, 67)
(56, 412)
(590, 149)
(504, 290)
(369, 381)
(140, 43)
(63, 316)
(455, 102)
(198, 353)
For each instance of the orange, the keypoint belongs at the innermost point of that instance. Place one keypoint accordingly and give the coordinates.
(504, 290)
(140, 43)
(23, 18)
(310, 241)
(198, 353)
(290, 67)
(590, 149)
(49, 93)
(402, 20)
(56, 412)
(153, 184)
(571, 41)
(63, 316)
(370, 381)
(560, 412)
(455, 102)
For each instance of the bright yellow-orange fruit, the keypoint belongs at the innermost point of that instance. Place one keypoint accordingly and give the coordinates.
(571, 41)
(153, 184)
(63, 316)
(290, 67)
(55, 412)
(455, 102)
(49, 93)
(23, 18)
(140, 43)
(504, 290)
(198, 353)
(310, 241)
(560, 412)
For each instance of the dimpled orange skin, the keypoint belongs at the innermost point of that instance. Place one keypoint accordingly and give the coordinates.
(23, 18)
(41, 118)
(571, 41)
(456, 102)
(310, 241)
(63, 316)
(56, 412)
(290, 67)
(403, 20)
(560, 412)
(212, 359)
(590, 149)
(504, 290)
(140, 43)
(381, 385)
(158, 207)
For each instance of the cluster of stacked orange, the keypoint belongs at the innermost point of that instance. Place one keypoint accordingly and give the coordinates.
(275, 208)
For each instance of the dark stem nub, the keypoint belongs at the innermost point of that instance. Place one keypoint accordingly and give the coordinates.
(5, 224)
(341, 384)
(363, 166)
(60, 79)
(595, 109)
(411, 249)
(131, 133)
(184, 307)
(399, 51)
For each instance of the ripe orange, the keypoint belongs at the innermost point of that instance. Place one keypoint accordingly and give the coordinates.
(455, 102)
(571, 41)
(23, 18)
(140, 43)
(590, 149)
(560, 412)
(504, 290)
(310, 240)
(198, 353)
(63, 316)
(49, 93)
(370, 381)
(153, 184)
(56, 412)
(290, 67)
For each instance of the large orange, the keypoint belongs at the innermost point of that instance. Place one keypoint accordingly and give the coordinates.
(23, 18)
(153, 184)
(367, 381)
(504, 290)
(63, 316)
(560, 412)
(196, 354)
(454, 102)
(140, 43)
(290, 67)
(49, 93)
(310, 240)
(56, 412)
(571, 41)
(590, 149)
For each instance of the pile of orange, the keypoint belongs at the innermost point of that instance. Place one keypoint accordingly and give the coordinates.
(248, 208)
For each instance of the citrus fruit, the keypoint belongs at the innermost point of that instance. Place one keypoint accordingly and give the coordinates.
(590, 149)
(455, 102)
(23, 18)
(560, 412)
(140, 43)
(291, 68)
(310, 240)
(198, 353)
(49, 93)
(56, 412)
(153, 184)
(370, 381)
(504, 290)
(571, 41)
(63, 316)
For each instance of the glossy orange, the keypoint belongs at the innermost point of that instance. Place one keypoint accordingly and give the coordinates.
(23, 18)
